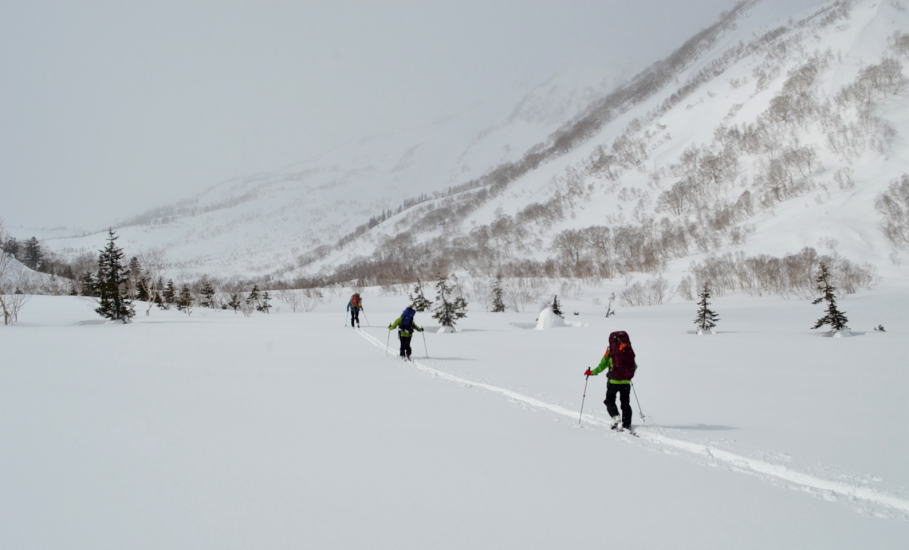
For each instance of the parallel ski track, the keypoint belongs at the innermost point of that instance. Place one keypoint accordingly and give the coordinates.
(736, 461)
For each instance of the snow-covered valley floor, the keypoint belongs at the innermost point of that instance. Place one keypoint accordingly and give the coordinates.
(292, 431)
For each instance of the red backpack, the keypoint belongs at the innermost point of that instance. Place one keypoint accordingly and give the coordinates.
(355, 300)
(623, 365)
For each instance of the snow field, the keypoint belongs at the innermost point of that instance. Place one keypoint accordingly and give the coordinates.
(288, 430)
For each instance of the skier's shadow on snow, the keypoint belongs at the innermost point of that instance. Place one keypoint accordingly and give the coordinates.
(698, 427)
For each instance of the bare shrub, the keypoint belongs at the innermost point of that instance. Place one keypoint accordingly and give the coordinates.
(893, 205)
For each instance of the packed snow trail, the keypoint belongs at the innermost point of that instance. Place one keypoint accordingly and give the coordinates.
(735, 461)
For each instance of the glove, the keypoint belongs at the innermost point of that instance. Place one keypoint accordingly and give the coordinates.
(390, 327)
(588, 373)
(420, 329)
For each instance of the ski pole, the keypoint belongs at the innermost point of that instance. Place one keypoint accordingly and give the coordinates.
(365, 317)
(583, 397)
(643, 418)
(387, 339)
(424, 344)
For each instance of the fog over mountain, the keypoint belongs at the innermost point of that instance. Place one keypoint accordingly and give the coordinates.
(769, 140)
(114, 108)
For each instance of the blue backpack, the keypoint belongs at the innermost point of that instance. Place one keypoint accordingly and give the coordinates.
(407, 319)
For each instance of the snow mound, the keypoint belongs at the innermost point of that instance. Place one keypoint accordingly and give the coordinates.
(547, 320)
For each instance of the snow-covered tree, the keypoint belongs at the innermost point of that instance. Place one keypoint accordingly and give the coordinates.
(556, 307)
(208, 295)
(609, 310)
(170, 294)
(235, 302)
(112, 285)
(706, 318)
(185, 300)
(33, 256)
(88, 284)
(264, 304)
(252, 300)
(833, 317)
(448, 307)
(498, 305)
(418, 301)
(142, 290)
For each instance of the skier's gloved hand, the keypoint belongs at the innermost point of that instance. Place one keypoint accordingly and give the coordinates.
(420, 329)
(390, 327)
(588, 373)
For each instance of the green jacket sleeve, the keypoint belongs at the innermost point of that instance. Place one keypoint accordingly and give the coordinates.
(395, 323)
(605, 363)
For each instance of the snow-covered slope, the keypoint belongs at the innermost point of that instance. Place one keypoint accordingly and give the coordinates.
(775, 130)
(255, 225)
(766, 134)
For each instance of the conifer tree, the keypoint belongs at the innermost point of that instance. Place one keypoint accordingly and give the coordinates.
(87, 282)
(833, 317)
(252, 301)
(235, 303)
(142, 290)
(706, 318)
(498, 306)
(264, 305)
(112, 285)
(33, 257)
(556, 308)
(208, 295)
(135, 275)
(185, 300)
(170, 294)
(418, 301)
(159, 301)
(609, 310)
(448, 308)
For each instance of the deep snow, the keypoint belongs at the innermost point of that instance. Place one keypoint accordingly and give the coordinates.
(291, 430)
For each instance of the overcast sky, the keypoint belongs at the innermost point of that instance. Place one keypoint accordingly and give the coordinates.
(108, 108)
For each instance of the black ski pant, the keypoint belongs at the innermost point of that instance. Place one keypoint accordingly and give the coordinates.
(405, 344)
(354, 316)
(624, 392)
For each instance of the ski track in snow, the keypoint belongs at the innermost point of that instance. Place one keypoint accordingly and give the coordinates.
(762, 468)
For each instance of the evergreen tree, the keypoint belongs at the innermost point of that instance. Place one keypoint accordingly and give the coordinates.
(498, 306)
(32, 256)
(706, 318)
(448, 308)
(87, 282)
(143, 294)
(208, 295)
(264, 306)
(417, 300)
(135, 271)
(73, 291)
(185, 301)
(170, 294)
(834, 317)
(235, 303)
(252, 301)
(556, 308)
(114, 299)
(609, 311)
(159, 301)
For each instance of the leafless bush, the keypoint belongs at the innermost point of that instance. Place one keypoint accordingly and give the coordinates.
(791, 274)
(893, 205)
(653, 292)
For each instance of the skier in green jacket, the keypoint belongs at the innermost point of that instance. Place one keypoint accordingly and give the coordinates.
(405, 325)
(621, 366)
